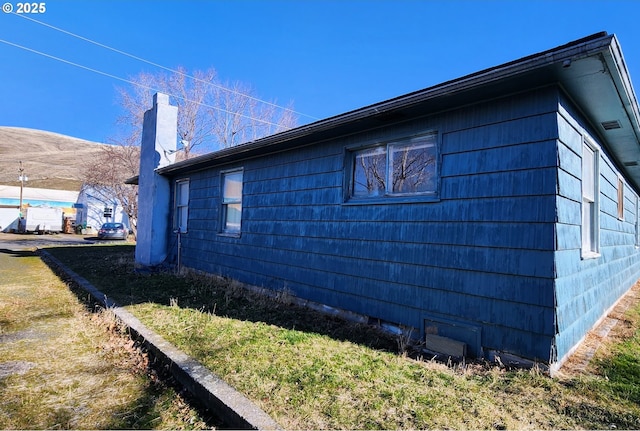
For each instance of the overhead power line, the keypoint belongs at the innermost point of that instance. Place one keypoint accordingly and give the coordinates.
(161, 66)
(132, 82)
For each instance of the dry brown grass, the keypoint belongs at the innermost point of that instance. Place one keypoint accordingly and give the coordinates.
(50, 160)
(62, 367)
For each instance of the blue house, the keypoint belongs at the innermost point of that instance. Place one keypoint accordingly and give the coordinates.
(498, 210)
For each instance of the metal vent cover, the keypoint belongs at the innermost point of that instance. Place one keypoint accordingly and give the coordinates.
(611, 125)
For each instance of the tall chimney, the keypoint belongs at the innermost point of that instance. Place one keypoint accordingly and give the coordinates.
(159, 140)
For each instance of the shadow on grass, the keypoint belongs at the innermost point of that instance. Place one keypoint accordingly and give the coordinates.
(110, 269)
(18, 253)
(146, 411)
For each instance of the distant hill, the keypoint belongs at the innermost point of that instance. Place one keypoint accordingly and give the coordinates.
(50, 160)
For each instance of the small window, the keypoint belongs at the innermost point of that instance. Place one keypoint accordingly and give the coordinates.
(620, 199)
(231, 202)
(590, 223)
(182, 206)
(401, 168)
(637, 223)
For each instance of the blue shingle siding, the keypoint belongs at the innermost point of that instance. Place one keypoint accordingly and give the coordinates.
(481, 257)
(586, 288)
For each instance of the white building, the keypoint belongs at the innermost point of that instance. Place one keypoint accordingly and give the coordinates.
(93, 208)
(87, 208)
(10, 203)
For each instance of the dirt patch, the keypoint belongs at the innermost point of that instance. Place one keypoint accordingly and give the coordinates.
(14, 367)
(611, 329)
(28, 334)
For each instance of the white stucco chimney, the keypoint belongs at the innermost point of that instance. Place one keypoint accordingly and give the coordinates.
(159, 140)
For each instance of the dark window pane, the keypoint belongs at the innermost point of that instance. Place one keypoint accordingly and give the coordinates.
(369, 172)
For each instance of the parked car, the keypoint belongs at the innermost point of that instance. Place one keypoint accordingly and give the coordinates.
(113, 231)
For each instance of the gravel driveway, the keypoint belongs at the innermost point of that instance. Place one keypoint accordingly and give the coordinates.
(13, 241)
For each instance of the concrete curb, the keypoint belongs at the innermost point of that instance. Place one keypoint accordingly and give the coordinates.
(235, 410)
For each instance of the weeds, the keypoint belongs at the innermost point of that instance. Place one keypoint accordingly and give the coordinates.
(284, 296)
(232, 290)
(405, 340)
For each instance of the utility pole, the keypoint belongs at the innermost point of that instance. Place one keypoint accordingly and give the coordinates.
(22, 178)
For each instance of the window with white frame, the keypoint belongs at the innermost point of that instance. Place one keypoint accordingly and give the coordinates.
(181, 216)
(590, 191)
(231, 201)
(399, 168)
(620, 198)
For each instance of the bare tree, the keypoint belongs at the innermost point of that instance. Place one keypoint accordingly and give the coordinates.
(189, 95)
(104, 178)
(236, 119)
(211, 116)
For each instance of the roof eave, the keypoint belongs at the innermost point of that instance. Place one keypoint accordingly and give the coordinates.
(601, 86)
(557, 65)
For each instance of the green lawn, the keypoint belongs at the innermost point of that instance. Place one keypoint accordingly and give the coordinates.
(309, 371)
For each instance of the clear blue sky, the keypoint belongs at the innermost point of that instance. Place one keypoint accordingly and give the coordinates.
(327, 57)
